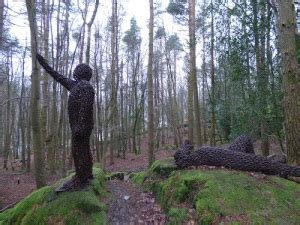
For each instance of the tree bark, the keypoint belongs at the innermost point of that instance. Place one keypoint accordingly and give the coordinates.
(193, 73)
(291, 87)
(213, 97)
(89, 28)
(45, 90)
(22, 110)
(7, 135)
(1, 21)
(28, 138)
(113, 106)
(151, 156)
(35, 96)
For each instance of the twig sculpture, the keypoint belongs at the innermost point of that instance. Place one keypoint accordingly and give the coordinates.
(211, 156)
(80, 110)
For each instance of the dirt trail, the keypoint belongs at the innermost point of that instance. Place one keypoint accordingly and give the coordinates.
(128, 204)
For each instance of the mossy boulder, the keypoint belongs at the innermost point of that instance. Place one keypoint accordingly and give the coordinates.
(45, 206)
(162, 168)
(224, 196)
(116, 175)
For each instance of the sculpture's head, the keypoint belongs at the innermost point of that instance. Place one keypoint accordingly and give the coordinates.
(83, 72)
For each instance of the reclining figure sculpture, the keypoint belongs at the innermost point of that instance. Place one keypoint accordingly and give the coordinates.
(242, 143)
(237, 160)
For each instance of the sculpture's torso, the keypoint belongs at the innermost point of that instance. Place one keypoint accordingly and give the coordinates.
(80, 107)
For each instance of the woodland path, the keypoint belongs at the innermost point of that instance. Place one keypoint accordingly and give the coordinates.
(129, 204)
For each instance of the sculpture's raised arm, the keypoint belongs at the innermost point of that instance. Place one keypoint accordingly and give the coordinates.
(66, 82)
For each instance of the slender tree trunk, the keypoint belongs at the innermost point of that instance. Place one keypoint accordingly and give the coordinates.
(113, 108)
(98, 111)
(35, 95)
(213, 98)
(190, 80)
(151, 156)
(193, 73)
(45, 91)
(203, 89)
(22, 112)
(89, 28)
(260, 45)
(28, 137)
(1, 21)
(82, 39)
(204, 75)
(65, 137)
(7, 135)
(53, 139)
(287, 44)
(162, 103)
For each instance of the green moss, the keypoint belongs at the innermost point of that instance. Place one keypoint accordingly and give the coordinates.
(116, 175)
(44, 206)
(139, 178)
(98, 165)
(162, 167)
(298, 46)
(169, 147)
(217, 193)
(177, 216)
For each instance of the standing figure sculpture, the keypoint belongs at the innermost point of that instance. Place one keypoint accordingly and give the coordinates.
(80, 110)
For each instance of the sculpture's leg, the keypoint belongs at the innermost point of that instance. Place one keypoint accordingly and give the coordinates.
(82, 158)
(83, 162)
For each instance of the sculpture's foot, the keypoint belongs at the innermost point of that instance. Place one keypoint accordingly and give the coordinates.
(74, 184)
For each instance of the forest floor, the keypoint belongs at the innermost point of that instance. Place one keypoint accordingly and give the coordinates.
(16, 184)
(127, 203)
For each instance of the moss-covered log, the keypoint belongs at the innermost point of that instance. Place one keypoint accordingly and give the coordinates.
(233, 160)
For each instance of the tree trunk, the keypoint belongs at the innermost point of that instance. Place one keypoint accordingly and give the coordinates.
(291, 101)
(7, 135)
(35, 95)
(213, 98)
(45, 91)
(28, 138)
(1, 21)
(82, 33)
(151, 156)
(22, 112)
(89, 26)
(262, 76)
(193, 73)
(113, 107)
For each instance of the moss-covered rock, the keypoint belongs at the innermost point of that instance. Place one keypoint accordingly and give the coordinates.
(45, 206)
(220, 195)
(116, 175)
(162, 167)
(139, 177)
